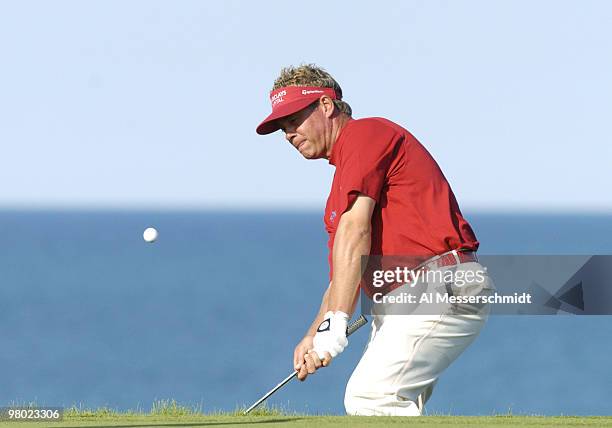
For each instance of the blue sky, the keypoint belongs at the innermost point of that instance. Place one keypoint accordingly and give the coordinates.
(147, 104)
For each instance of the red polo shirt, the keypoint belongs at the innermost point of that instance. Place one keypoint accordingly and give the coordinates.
(416, 211)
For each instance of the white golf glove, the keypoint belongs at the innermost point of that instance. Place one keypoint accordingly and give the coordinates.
(331, 335)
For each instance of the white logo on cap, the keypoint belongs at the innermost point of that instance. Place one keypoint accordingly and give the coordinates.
(278, 97)
(306, 92)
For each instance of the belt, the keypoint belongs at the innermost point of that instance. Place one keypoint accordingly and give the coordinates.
(450, 258)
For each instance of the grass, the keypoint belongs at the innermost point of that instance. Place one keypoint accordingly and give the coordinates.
(168, 413)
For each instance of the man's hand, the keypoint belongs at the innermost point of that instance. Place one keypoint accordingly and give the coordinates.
(314, 352)
(330, 339)
(302, 349)
(303, 362)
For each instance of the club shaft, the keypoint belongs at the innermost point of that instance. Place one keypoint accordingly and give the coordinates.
(272, 391)
(359, 322)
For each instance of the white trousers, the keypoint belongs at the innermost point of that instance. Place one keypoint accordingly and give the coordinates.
(404, 358)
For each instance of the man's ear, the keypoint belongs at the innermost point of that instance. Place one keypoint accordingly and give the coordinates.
(329, 108)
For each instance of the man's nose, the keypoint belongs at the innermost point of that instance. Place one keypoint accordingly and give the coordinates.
(289, 136)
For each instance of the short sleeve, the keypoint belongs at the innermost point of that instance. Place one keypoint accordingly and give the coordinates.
(365, 158)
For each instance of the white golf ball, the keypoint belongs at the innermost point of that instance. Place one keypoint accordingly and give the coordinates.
(150, 234)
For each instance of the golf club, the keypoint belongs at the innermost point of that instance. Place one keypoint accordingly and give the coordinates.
(359, 322)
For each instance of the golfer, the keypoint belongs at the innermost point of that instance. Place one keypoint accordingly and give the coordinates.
(388, 197)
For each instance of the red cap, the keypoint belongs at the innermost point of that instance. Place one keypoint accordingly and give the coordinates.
(288, 100)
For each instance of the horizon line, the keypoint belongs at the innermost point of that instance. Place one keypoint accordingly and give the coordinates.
(470, 210)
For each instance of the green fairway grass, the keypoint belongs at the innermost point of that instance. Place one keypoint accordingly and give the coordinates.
(170, 414)
(317, 421)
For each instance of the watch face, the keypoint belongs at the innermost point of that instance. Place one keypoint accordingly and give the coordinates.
(324, 326)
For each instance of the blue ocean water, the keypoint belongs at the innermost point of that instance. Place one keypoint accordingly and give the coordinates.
(209, 315)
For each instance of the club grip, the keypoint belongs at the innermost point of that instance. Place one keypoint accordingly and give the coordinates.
(356, 325)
